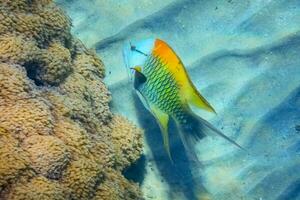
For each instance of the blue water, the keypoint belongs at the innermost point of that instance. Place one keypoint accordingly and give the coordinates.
(244, 58)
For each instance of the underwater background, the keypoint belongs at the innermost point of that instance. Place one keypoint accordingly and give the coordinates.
(244, 57)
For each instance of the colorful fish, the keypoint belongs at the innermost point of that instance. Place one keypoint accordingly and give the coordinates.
(164, 87)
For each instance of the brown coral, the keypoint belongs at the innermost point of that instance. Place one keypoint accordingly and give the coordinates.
(56, 64)
(115, 187)
(14, 161)
(49, 156)
(37, 188)
(126, 143)
(58, 138)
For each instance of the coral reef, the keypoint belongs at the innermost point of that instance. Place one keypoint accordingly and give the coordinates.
(115, 187)
(58, 138)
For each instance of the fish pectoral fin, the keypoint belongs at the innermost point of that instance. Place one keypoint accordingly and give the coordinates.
(163, 121)
(194, 98)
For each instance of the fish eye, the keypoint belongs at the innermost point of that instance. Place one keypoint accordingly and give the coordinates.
(132, 47)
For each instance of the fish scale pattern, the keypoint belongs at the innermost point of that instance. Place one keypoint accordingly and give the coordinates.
(161, 88)
(58, 137)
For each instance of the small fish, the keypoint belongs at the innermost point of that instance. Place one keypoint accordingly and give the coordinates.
(164, 87)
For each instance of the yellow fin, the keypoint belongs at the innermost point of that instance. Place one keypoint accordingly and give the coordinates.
(175, 66)
(163, 120)
(195, 98)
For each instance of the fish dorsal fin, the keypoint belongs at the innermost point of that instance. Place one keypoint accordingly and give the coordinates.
(194, 98)
(171, 61)
(163, 121)
(163, 51)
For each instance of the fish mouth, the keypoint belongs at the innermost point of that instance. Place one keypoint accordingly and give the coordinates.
(126, 57)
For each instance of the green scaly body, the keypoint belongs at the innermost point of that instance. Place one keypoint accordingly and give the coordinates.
(161, 89)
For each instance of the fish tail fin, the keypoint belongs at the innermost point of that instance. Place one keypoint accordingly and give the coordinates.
(209, 128)
(193, 128)
(189, 132)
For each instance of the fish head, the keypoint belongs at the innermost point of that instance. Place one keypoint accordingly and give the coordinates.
(135, 54)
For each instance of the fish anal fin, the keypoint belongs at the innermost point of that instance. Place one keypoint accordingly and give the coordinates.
(194, 98)
(163, 121)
